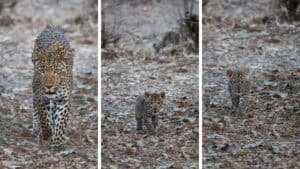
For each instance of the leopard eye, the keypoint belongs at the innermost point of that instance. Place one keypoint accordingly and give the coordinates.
(42, 71)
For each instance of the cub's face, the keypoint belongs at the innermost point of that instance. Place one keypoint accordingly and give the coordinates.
(238, 78)
(154, 100)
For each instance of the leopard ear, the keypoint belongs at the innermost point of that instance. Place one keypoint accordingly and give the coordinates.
(61, 52)
(69, 54)
(146, 95)
(229, 73)
(34, 57)
(246, 72)
(162, 95)
(37, 56)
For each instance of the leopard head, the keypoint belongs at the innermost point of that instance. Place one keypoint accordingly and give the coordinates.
(154, 100)
(238, 77)
(52, 67)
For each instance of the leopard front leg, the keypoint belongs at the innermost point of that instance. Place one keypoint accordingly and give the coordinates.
(60, 119)
(244, 98)
(139, 123)
(35, 121)
(235, 103)
(243, 104)
(149, 125)
(44, 130)
(154, 121)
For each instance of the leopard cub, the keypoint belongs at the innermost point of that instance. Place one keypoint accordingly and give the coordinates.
(239, 88)
(146, 110)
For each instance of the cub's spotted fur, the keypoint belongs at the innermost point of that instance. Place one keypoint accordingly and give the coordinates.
(239, 88)
(147, 109)
(52, 84)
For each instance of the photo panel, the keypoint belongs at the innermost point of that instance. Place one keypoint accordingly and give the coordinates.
(48, 84)
(250, 77)
(149, 84)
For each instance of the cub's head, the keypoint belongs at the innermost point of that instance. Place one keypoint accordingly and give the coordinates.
(154, 100)
(238, 77)
(52, 67)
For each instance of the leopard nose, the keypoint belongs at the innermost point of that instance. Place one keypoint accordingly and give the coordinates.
(49, 86)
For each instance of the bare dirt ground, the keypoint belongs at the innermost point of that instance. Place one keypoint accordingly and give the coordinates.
(19, 26)
(267, 135)
(131, 68)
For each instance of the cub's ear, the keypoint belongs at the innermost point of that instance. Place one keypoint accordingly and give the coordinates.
(229, 73)
(162, 95)
(146, 95)
(246, 72)
(34, 57)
